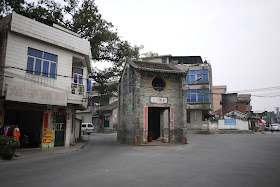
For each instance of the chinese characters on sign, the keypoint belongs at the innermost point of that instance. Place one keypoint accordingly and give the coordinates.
(171, 118)
(33, 95)
(145, 118)
(46, 120)
(171, 125)
(172, 113)
(48, 139)
(230, 121)
(162, 100)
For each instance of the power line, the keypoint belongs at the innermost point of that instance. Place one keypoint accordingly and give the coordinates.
(39, 72)
(259, 89)
(66, 76)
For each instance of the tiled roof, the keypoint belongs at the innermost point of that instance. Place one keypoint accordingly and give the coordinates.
(109, 107)
(156, 67)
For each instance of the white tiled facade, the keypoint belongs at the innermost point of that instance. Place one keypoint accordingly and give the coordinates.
(71, 51)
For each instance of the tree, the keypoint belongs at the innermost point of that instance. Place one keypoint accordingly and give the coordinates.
(84, 19)
(149, 56)
(270, 117)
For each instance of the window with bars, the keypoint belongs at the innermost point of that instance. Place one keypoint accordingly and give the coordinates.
(193, 75)
(198, 95)
(41, 63)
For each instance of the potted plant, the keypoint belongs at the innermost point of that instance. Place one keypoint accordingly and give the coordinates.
(8, 145)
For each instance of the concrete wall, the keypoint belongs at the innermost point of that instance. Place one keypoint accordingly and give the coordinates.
(240, 125)
(75, 136)
(56, 36)
(114, 117)
(195, 120)
(217, 97)
(128, 124)
(86, 116)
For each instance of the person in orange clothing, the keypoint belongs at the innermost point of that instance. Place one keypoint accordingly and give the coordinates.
(16, 133)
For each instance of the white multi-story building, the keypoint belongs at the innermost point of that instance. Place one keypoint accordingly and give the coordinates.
(44, 70)
(199, 90)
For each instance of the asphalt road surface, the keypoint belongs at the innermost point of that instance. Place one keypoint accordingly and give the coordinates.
(207, 160)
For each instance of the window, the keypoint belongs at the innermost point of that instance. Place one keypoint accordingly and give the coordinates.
(78, 76)
(158, 84)
(41, 63)
(193, 75)
(164, 61)
(198, 95)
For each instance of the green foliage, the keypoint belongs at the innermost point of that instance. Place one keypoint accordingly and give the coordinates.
(149, 55)
(103, 85)
(7, 6)
(270, 117)
(84, 19)
(8, 144)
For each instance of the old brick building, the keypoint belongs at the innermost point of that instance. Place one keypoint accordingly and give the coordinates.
(234, 101)
(152, 103)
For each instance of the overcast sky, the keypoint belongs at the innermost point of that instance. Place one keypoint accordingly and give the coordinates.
(241, 38)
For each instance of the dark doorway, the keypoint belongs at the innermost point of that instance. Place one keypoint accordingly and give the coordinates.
(59, 131)
(29, 123)
(154, 122)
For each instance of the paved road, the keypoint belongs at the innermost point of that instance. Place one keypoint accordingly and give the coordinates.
(208, 160)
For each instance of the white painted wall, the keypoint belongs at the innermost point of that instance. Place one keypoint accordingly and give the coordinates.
(114, 117)
(16, 56)
(52, 35)
(240, 125)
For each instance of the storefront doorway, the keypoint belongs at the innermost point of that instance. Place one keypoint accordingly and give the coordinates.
(59, 129)
(29, 123)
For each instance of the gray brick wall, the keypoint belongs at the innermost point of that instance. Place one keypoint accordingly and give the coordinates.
(134, 89)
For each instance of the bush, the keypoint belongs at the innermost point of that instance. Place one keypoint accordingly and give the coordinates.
(8, 145)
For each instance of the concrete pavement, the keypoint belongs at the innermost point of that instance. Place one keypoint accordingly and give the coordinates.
(207, 160)
(38, 152)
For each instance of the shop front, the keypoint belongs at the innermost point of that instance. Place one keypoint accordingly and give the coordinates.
(40, 126)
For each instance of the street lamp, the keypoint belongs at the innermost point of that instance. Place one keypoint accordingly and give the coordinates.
(196, 80)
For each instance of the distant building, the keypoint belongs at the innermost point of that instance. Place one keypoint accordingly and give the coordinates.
(108, 117)
(233, 101)
(198, 93)
(96, 102)
(217, 97)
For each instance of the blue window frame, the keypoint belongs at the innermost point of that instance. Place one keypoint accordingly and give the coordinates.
(38, 66)
(45, 68)
(30, 64)
(41, 63)
(78, 76)
(193, 75)
(198, 95)
(52, 70)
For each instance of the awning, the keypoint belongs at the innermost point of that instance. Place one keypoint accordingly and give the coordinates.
(262, 121)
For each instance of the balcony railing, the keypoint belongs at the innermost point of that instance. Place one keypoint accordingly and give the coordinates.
(77, 89)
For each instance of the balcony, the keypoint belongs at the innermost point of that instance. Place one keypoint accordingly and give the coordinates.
(77, 89)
